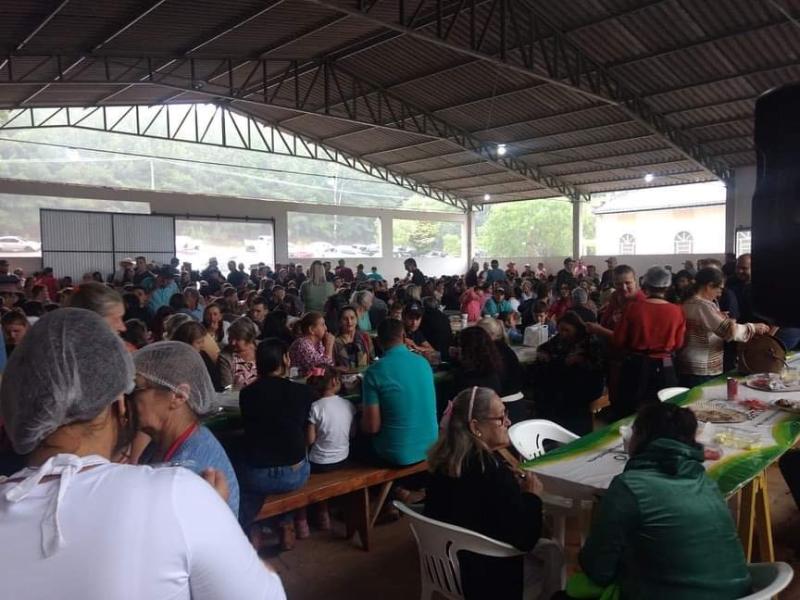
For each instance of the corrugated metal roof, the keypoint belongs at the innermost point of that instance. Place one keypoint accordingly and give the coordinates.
(700, 64)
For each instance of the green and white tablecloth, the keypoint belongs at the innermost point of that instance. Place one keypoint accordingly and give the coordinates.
(583, 469)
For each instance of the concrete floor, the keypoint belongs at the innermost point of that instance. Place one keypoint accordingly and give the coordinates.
(326, 566)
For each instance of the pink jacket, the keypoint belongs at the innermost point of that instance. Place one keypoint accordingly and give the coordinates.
(471, 304)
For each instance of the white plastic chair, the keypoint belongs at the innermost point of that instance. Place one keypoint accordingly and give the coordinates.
(439, 544)
(671, 392)
(768, 579)
(528, 439)
(527, 436)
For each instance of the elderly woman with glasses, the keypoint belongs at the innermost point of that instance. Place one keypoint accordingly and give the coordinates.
(173, 390)
(71, 520)
(471, 486)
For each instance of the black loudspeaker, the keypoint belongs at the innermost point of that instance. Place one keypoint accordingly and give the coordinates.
(776, 206)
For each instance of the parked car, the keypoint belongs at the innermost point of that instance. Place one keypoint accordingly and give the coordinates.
(12, 243)
(296, 251)
(186, 245)
(322, 249)
(259, 243)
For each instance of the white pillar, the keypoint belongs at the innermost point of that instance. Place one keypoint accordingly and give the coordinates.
(576, 229)
(387, 241)
(730, 215)
(470, 246)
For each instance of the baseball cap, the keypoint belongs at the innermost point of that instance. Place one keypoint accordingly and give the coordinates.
(413, 309)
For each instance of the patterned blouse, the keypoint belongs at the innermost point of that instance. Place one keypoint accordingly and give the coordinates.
(306, 355)
(236, 371)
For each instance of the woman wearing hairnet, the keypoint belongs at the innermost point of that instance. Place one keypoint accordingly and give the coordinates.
(173, 390)
(75, 525)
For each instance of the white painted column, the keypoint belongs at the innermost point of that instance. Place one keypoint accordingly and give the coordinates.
(730, 215)
(469, 247)
(576, 229)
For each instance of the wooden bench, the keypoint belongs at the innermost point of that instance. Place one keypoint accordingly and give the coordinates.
(352, 483)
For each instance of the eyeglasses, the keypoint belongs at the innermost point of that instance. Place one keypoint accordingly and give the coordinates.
(501, 420)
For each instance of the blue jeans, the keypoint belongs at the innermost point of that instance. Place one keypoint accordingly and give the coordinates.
(256, 483)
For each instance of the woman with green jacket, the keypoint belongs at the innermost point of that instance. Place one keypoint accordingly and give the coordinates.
(663, 529)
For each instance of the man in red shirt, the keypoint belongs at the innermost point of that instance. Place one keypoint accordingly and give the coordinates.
(648, 334)
(626, 291)
(346, 273)
(50, 283)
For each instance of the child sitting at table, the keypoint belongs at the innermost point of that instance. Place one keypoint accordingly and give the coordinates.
(511, 320)
(329, 428)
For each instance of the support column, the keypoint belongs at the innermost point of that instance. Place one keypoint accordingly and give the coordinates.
(576, 228)
(469, 247)
(730, 214)
(387, 241)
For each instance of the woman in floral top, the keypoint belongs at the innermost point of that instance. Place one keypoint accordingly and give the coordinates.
(237, 364)
(314, 347)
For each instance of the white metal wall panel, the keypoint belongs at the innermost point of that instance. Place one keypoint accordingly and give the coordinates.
(147, 235)
(76, 231)
(77, 242)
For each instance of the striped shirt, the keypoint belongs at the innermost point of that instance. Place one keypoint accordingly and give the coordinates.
(707, 330)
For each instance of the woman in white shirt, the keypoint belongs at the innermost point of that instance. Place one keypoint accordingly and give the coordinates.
(707, 330)
(76, 525)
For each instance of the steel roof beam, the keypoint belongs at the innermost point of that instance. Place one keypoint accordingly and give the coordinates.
(249, 132)
(446, 13)
(560, 58)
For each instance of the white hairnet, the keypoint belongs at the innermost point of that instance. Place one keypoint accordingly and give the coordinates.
(170, 364)
(67, 368)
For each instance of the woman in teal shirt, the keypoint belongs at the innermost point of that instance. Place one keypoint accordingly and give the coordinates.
(663, 530)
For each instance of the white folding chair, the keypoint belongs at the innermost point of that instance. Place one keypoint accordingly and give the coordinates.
(439, 544)
(670, 392)
(528, 438)
(768, 579)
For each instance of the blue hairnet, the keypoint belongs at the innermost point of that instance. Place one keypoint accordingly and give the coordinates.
(68, 368)
(170, 364)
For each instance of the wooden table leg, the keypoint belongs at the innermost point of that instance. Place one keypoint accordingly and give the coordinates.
(357, 516)
(766, 549)
(384, 493)
(747, 518)
(755, 520)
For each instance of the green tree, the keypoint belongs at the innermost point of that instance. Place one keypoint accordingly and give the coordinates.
(528, 228)
(423, 237)
(451, 243)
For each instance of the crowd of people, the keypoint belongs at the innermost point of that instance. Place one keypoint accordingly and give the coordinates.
(118, 371)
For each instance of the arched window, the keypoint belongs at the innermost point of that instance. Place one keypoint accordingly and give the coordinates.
(684, 243)
(627, 244)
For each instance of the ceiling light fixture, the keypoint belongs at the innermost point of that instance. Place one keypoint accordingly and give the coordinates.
(649, 177)
(486, 197)
(501, 149)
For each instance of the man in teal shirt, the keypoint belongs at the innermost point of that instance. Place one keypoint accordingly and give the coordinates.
(165, 289)
(497, 304)
(374, 275)
(399, 401)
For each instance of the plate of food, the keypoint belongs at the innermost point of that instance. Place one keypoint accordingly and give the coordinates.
(788, 381)
(717, 412)
(787, 404)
